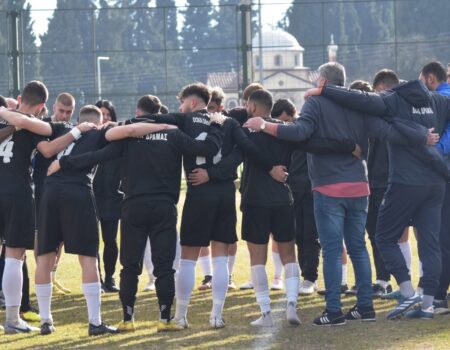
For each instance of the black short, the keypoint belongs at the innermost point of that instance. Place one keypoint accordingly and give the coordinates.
(259, 222)
(67, 214)
(208, 218)
(17, 221)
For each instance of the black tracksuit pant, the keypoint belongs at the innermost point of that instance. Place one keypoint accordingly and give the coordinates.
(144, 218)
(110, 249)
(445, 247)
(422, 205)
(307, 238)
(375, 199)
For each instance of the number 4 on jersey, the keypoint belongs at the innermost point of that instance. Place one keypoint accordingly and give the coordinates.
(6, 150)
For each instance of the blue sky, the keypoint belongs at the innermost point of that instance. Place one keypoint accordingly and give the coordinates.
(272, 11)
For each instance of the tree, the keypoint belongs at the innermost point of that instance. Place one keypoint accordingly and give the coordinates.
(27, 44)
(197, 37)
(68, 62)
(225, 37)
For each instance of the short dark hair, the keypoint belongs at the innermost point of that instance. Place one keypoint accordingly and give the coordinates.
(164, 109)
(437, 69)
(217, 95)
(361, 85)
(109, 106)
(283, 105)
(240, 114)
(262, 98)
(333, 72)
(197, 89)
(66, 99)
(251, 89)
(34, 93)
(3, 102)
(149, 104)
(91, 109)
(387, 77)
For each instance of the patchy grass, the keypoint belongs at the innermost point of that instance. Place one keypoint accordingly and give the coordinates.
(70, 317)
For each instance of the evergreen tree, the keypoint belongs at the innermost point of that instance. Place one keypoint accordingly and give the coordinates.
(68, 62)
(224, 37)
(197, 37)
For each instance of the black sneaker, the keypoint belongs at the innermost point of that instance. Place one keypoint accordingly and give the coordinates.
(344, 288)
(110, 286)
(379, 291)
(366, 314)
(102, 329)
(440, 307)
(351, 291)
(206, 283)
(330, 319)
(47, 328)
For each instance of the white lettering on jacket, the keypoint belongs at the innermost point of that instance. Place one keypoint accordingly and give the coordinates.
(156, 137)
(201, 120)
(422, 110)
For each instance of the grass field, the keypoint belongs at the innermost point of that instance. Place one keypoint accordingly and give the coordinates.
(70, 315)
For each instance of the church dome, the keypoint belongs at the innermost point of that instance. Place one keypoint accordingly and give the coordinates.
(277, 40)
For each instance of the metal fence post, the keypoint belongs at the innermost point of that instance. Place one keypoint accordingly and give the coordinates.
(14, 52)
(245, 8)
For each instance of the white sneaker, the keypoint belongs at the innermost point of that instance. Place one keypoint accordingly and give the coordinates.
(291, 315)
(277, 284)
(20, 327)
(150, 286)
(419, 291)
(246, 285)
(307, 287)
(182, 322)
(264, 321)
(216, 322)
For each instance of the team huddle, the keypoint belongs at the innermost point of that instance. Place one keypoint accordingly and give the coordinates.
(372, 157)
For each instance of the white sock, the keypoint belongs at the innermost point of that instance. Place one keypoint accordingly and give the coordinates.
(53, 273)
(219, 285)
(231, 261)
(92, 292)
(420, 269)
(184, 286)
(292, 282)
(148, 260)
(277, 265)
(405, 248)
(44, 298)
(261, 287)
(382, 283)
(344, 274)
(12, 288)
(205, 265)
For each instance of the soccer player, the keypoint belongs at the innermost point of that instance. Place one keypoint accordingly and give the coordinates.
(16, 196)
(308, 246)
(108, 198)
(68, 215)
(63, 109)
(152, 174)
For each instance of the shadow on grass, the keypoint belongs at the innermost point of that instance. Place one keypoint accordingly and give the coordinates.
(71, 321)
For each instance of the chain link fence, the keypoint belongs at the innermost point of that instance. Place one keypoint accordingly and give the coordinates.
(121, 53)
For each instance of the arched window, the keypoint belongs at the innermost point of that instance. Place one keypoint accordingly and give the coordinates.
(278, 60)
(257, 63)
(296, 60)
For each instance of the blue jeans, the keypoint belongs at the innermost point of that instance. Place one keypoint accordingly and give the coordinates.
(339, 219)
